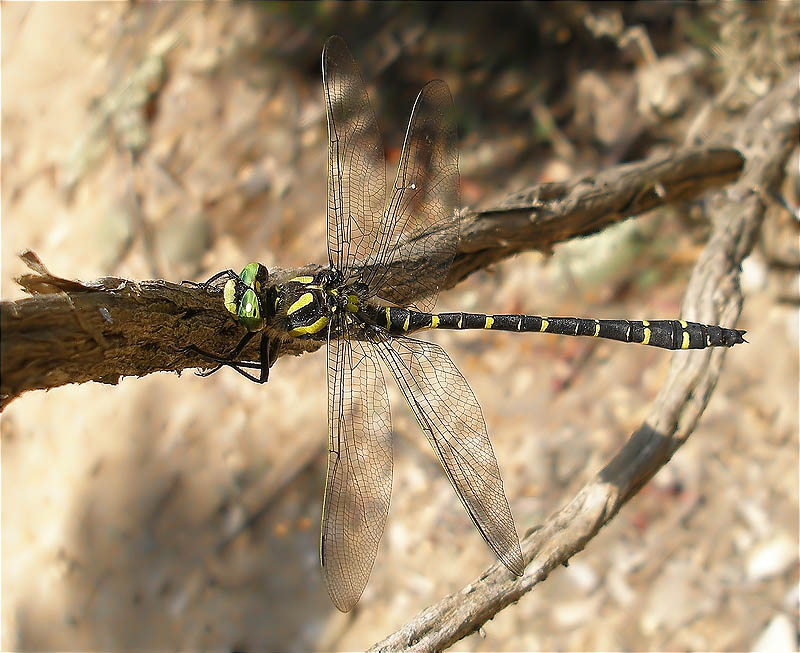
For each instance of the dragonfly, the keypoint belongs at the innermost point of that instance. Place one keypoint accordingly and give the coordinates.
(388, 254)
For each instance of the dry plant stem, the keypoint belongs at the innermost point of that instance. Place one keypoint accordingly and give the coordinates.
(766, 137)
(71, 332)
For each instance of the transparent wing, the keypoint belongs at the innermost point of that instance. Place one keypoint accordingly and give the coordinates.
(403, 252)
(451, 418)
(359, 480)
(356, 162)
(419, 236)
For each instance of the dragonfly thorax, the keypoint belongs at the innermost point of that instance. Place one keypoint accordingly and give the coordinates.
(306, 304)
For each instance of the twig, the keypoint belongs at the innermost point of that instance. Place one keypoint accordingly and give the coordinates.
(766, 136)
(72, 332)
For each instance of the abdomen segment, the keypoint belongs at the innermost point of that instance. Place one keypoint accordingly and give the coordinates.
(666, 334)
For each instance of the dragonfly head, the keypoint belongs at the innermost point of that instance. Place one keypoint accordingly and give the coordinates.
(243, 296)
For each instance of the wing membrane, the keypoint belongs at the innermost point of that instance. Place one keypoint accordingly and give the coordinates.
(420, 231)
(356, 162)
(401, 252)
(451, 418)
(358, 486)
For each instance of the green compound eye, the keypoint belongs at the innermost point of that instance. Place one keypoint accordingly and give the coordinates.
(229, 297)
(254, 275)
(249, 311)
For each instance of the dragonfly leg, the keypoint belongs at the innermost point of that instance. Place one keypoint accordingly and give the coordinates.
(268, 354)
(205, 284)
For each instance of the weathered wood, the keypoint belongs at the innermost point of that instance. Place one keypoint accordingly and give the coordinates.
(72, 332)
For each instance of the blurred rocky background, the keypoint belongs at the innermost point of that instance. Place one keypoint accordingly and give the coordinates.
(174, 140)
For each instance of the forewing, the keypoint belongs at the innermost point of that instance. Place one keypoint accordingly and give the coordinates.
(451, 418)
(359, 480)
(356, 162)
(421, 219)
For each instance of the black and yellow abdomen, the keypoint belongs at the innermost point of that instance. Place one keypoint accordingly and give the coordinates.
(666, 334)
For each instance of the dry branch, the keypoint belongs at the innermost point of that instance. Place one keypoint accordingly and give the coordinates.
(766, 137)
(71, 332)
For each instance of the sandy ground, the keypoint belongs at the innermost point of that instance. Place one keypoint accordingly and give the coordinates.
(117, 501)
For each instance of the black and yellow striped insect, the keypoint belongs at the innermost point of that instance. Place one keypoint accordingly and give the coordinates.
(386, 261)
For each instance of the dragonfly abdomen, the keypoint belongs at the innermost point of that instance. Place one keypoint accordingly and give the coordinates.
(666, 334)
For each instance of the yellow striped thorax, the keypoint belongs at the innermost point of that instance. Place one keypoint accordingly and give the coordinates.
(353, 302)
(306, 303)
